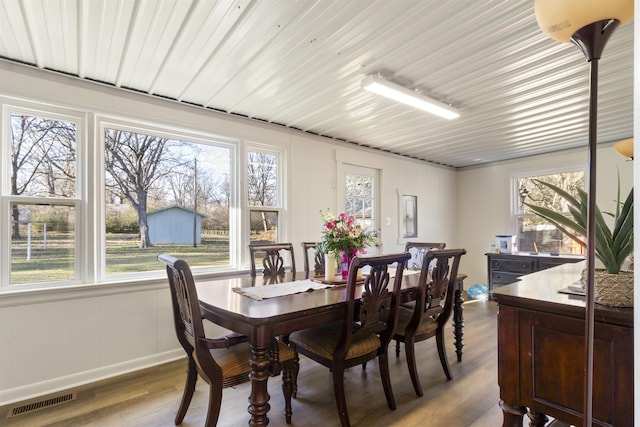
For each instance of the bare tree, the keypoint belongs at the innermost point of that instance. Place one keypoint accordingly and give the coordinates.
(209, 185)
(262, 179)
(218, 192)
(221, 190)
(43, 160)
(180, 182)
(212, 192)
(134, 163)
(59, 160)
(532, 191)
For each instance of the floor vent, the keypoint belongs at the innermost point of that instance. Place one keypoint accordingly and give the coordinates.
(40, 404)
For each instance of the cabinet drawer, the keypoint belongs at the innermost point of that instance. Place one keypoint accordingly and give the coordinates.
(543, 264)
(499, 278)
(524, 266)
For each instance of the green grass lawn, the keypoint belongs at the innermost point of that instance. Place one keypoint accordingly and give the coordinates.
(55, 263)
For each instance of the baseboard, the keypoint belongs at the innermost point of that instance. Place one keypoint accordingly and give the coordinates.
(30, 391)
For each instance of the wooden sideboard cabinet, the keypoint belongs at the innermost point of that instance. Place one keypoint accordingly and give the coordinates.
(541, 353)
(503, 269)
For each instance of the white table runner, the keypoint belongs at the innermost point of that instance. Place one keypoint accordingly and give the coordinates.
(405, 272)
(280, 289)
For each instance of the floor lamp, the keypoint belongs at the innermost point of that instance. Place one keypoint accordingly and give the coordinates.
(588, 24)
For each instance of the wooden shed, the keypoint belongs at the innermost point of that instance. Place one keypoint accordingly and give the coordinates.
(174, 225)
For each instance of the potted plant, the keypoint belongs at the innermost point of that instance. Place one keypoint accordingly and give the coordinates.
(613, 285)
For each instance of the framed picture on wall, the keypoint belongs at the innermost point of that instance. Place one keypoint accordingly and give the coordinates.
(409, 213)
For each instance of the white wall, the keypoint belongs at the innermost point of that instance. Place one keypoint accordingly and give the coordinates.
(484, 197)
(59, 338)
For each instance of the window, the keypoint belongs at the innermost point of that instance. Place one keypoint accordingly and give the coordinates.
(165, 192)
(40, 202)
(263, 195)
(359, 199)
(360, 196)
(534, 233)
(84, 207)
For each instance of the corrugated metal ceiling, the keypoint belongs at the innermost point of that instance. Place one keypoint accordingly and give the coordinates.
(300, 63)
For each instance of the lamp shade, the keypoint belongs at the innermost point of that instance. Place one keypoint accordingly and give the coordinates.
(624, 148)
(559, 19)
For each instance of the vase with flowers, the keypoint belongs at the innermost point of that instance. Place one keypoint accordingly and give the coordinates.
(344, 238)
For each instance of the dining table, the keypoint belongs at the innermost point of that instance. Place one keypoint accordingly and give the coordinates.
(227, 302)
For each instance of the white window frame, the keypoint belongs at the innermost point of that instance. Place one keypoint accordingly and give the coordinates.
(280, 208)
(10, 106)
(516, 214)
(102, 123)
(345, 169)
(89, 203)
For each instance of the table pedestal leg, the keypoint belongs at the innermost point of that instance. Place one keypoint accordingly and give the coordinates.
(512, 415)
(458, 320)
(259, 398)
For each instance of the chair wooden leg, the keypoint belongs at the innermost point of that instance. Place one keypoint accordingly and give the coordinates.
(189, 388)
(410, 351)
(287, 388)
(442, 352)
(397, 348)
(341, 400)
(215, 401)
(383, 361)
(296, 370)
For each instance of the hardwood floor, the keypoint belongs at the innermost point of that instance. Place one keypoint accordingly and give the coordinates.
(151, 397)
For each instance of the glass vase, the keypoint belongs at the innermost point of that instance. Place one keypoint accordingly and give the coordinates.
(345, 260)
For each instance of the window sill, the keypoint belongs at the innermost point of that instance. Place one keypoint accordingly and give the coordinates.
(21, 296)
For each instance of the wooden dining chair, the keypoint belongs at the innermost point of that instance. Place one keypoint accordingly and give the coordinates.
(318, 259)
(364, 331)
(418, 251)
(427, 316)
(273, 262)
(221, 362)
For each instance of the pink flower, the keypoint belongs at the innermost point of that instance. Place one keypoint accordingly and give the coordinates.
(342, 233)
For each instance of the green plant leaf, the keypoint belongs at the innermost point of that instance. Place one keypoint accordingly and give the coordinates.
(612, 246)
(563, 223)
(625, 214)
(565, 195)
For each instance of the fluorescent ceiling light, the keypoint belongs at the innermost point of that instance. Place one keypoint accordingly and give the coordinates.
(406, 96)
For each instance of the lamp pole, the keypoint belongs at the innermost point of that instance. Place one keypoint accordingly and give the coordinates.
(591, 39)
(588, 24)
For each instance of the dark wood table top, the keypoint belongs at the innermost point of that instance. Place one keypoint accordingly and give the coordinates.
(217, 295)
(219, 292)
(539, 291)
